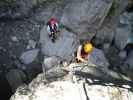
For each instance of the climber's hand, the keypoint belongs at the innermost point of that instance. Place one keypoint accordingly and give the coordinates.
(79, 59)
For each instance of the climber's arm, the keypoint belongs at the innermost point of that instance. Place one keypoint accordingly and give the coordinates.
(79, 57)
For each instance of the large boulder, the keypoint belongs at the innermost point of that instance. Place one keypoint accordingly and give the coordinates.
(29, 56)
(63, 47)
(98, 58)
(122, 36)
(50, 62)
(85, 16)
(51, 67)
(104, 35)
(38, 89)
(113, 57)
(106, 32)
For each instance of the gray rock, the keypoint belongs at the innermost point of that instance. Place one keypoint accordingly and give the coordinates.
(127, 66)
(126, 18)
(38, 89)
(124, 35)
(17, 8)
(50, 62)
(31, 44)
(121, 37)
(52, 67)
(106, 47)
(123, 54)
(29, 56)
(129, 60)
(64, 46)
(85, 16)
(44, 15)
(14, 39)
(52, 9)
(106, 32)
(15, 78)
(98, 58)
(130, 39)
(113, 56)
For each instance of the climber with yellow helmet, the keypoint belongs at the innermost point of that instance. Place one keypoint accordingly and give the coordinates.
(83, 52)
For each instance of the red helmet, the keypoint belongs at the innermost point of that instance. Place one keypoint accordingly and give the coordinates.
(52, 21)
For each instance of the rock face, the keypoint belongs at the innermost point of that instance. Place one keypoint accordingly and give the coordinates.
(129, 60)
(97, 57)
(17, 8)
(50, 62)
(70, 91)
(22, 20)
(38, 89)
(113, 57)
(29, 56)
(51, 67)
(105, 35)
(85, 16)
(31, 44)
(50, 9)
(15, 78)
(123, 55)
(64, 46)
(121, 37)
(125, 18)
(107, 30)
(124, 31)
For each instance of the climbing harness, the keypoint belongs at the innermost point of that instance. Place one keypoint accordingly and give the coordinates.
(53, 36)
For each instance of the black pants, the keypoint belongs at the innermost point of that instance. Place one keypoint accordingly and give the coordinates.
(128, 48)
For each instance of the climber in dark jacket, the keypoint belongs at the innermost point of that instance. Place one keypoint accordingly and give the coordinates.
(52, 28)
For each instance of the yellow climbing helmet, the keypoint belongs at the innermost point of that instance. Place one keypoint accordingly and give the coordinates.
(87, 47)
